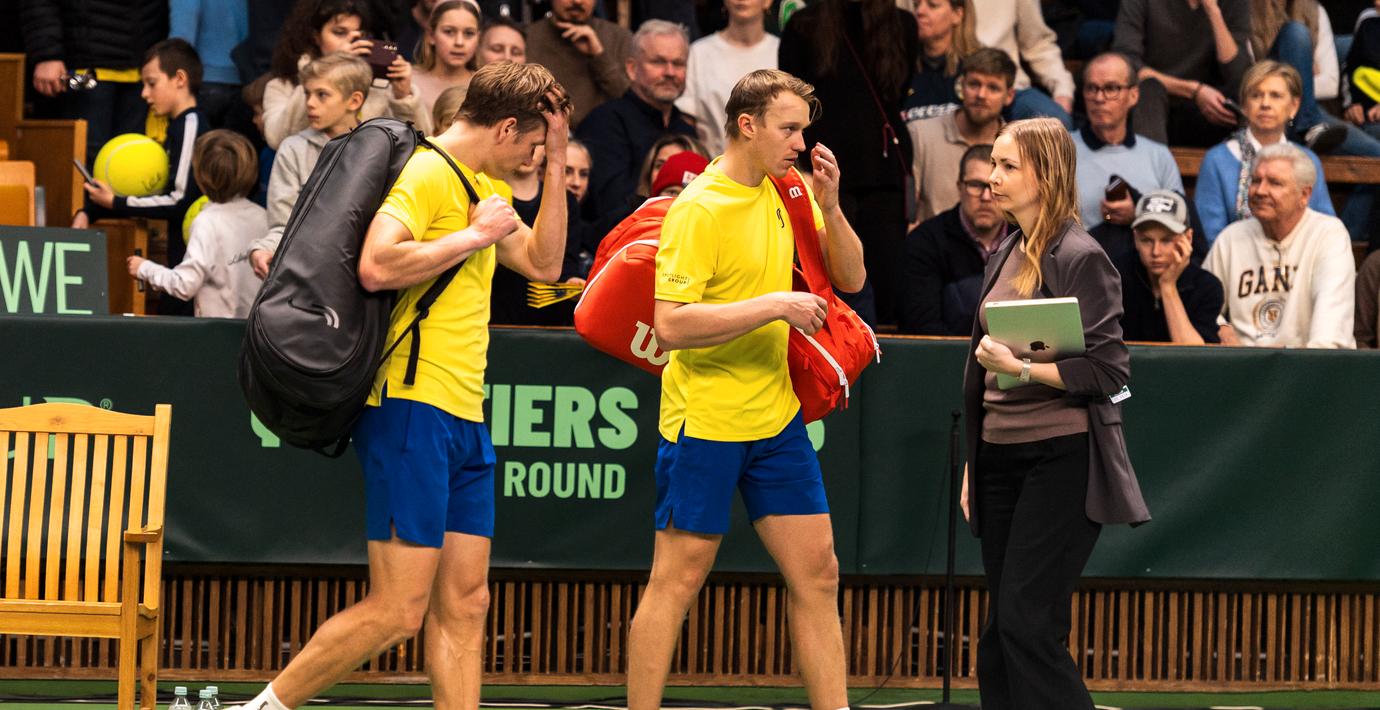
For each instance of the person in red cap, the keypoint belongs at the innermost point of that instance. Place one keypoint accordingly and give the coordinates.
(677, 172)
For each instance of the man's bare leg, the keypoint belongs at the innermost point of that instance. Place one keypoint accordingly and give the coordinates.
(400, 577)
(455, 622)
(803, 547)
(680, 562)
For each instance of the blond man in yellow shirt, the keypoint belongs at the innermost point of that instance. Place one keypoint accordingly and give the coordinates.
(729, 418)
(426, 455)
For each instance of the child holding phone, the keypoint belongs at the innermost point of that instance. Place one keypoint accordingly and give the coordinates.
(215, 273)
(171, 77)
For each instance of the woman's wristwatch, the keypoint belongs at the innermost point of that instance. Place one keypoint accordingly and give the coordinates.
(1024, 377)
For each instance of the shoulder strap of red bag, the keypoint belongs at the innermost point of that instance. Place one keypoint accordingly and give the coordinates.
(797, 199)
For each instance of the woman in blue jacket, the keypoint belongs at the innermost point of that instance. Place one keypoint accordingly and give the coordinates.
(1270, 96)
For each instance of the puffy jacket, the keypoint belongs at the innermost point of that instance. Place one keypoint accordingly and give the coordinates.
(85, 34)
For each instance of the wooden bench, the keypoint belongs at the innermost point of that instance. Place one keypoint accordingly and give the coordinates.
(83, 544)
(1337, 169)
(1345, 171)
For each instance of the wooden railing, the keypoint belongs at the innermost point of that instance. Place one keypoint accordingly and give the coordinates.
(568, 628)
(1337, 169)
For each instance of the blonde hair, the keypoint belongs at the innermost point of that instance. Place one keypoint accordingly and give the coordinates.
(1269, 16)
(443, 112)
(346, 72)
(426, 51)
(965, 39)
(1049, 158)
(1266, 68)
(504, 90)
(755, 91)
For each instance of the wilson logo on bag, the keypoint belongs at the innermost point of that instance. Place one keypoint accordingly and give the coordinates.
(644, 346)
(615, 311)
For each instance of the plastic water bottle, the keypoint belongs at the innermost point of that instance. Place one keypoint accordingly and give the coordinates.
(180, 701)
(205, 703)
(215, 696)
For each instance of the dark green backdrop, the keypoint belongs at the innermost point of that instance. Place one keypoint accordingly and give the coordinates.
(1257, 464)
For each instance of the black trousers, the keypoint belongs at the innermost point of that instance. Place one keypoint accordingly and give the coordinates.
(1036, 539)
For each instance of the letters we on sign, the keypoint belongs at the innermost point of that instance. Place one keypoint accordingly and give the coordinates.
(49, 271)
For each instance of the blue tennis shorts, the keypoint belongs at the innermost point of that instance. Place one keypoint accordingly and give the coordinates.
(426, 473)
(777, 476)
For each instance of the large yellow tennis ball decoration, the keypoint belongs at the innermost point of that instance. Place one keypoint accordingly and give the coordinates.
(133, 164)
(192, 212)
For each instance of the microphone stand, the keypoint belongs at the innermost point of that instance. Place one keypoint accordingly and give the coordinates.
(950, 641)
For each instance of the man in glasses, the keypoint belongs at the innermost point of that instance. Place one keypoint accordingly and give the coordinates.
(985, 86)
(1108, 148)
(945, 256)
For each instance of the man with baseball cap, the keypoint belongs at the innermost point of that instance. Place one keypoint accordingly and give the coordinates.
(1166, 298)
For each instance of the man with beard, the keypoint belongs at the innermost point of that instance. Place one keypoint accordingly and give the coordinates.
(620, 132)
(985, 80)
(586, 54)
(946, 255)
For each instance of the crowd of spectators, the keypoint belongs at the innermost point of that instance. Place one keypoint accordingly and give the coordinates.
(913, 94)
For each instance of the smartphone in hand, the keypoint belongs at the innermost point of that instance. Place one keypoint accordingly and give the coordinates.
(85, 174)
(1117, 189)
(1235, 109)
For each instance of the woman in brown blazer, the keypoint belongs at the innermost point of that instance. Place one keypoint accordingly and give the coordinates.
(1047, 462)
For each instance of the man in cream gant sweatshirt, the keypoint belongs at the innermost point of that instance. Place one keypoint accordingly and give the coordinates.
(1288, 272)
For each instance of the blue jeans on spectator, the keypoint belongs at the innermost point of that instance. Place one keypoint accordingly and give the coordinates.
(109, 108)
(1094, 37)
(1033, 103)
(1294, 46)
(1360, 204)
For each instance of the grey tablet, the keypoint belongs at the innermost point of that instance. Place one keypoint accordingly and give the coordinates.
(1042, 329)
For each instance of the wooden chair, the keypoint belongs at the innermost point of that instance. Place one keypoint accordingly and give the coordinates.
(11, 95)
(52, 145)
(17, 193)
(85, 501)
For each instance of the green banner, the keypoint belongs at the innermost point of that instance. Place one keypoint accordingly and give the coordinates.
(1257, 464)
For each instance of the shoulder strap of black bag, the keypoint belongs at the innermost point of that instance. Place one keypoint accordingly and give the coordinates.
(889, 138)
(434, 291)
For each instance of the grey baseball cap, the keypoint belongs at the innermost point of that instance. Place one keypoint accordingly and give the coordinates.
(1164, 207)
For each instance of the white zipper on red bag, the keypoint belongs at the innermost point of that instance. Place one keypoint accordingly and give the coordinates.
(625, 247)
(838, 369)
(876, 347)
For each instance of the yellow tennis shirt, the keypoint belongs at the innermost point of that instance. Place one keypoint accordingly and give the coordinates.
(428, 199)
(724, 242)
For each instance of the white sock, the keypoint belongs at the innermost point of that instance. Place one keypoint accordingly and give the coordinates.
(266, 700)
